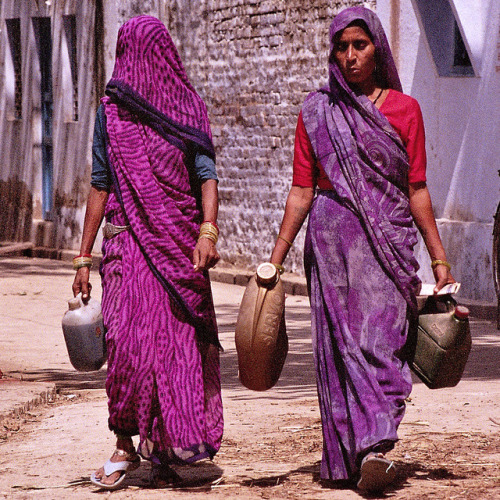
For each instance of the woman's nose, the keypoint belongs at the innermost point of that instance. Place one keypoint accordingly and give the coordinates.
(350, 53)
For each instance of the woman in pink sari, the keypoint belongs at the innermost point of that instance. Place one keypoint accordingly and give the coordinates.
(154, 181)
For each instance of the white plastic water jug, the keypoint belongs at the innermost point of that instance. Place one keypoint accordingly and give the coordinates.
(83, 330)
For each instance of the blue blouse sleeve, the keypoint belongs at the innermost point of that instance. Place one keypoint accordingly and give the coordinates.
(204, 167)
(101, 175)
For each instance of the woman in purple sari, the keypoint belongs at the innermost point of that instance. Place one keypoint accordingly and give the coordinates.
(154, 181)
(359, 172)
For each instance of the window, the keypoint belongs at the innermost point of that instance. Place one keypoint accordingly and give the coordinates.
(42, 29)
(461, 56)
(13, 74)
(70, 64)
(445, 39)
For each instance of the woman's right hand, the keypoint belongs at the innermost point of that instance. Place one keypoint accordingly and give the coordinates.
(81, 283)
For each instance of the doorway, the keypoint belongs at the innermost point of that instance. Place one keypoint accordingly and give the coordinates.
(43, 36)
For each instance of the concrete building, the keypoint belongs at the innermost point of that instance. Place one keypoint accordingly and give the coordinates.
(448, 55)
(253, 62)
(50, 75)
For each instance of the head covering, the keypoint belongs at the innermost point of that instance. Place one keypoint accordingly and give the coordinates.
(150, 81)
(387, 73)
(365, 159)
(155, 124)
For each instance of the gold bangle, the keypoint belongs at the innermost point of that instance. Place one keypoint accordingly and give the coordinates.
(209, 230)
(280, 268)
(79, 262)
(285, 240)
(439, 262)
(212, 239)
(210, 226)
(210, 236)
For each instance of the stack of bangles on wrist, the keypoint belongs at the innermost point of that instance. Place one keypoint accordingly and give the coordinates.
(83, 260)
(439, 262)
(209, 230)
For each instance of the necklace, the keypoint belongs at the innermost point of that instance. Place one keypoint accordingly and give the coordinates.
(377, 98)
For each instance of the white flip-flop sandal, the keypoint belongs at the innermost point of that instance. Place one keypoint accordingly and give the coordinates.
(123, 466)
(376, 473)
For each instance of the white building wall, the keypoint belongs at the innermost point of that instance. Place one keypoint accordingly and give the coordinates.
(461, 115)
(21, 168)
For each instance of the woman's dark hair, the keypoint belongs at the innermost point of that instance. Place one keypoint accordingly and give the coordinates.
(360, 24)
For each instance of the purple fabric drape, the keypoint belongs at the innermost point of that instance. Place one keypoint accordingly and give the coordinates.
(359, 263)
(163, 364)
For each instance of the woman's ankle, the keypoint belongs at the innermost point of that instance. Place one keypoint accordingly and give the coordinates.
(125, 443)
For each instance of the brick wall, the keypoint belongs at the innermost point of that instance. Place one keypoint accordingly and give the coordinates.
(254, 62)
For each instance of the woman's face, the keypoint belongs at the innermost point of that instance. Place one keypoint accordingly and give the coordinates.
(354, 53)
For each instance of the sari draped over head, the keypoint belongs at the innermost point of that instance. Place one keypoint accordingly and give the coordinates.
(156, 122)
(163, 363)
(359, 261)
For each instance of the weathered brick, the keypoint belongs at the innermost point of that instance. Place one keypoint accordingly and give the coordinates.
(254, 62)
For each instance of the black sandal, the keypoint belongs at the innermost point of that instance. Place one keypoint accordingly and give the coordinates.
(376, 473)
(163, 476)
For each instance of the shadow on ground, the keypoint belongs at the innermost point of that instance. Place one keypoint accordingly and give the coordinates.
(65, 379)
(16, 267)
(297, 379)
(197, 477)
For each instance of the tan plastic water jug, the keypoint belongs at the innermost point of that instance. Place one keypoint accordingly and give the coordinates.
(261, 340)
(83, 330)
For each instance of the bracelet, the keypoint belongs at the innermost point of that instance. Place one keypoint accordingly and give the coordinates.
(211, 237)
(211, 223)
(82, 261)
(209, 230)
(85, 255)
(285, 240)
(439, 262)
(209, 226)
(280, 268)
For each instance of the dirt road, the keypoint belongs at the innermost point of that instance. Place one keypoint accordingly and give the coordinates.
(450, 446)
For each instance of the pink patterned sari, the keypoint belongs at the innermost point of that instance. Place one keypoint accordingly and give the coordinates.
(163, 377)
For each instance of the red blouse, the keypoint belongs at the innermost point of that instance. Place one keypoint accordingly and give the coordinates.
(404, 115)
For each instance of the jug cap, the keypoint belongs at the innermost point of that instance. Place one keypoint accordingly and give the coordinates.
(461, 312)
(267, 274)
(74, 303)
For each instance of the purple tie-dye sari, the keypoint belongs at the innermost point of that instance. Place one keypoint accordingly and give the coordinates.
(163, 363)
(359, 263)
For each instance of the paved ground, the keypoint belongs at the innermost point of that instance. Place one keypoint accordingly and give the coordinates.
(49, 442)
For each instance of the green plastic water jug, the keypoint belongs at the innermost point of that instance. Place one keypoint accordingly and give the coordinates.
(442, 343)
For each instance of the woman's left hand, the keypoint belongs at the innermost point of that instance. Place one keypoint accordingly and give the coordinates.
(443, 277)
(205, 255)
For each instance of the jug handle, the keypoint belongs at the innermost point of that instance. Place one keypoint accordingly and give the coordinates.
(258, 308)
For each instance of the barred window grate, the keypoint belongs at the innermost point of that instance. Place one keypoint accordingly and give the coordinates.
(14, 36)
(70, 33)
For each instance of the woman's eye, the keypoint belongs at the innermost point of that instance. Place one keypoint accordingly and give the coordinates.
(360, 45)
